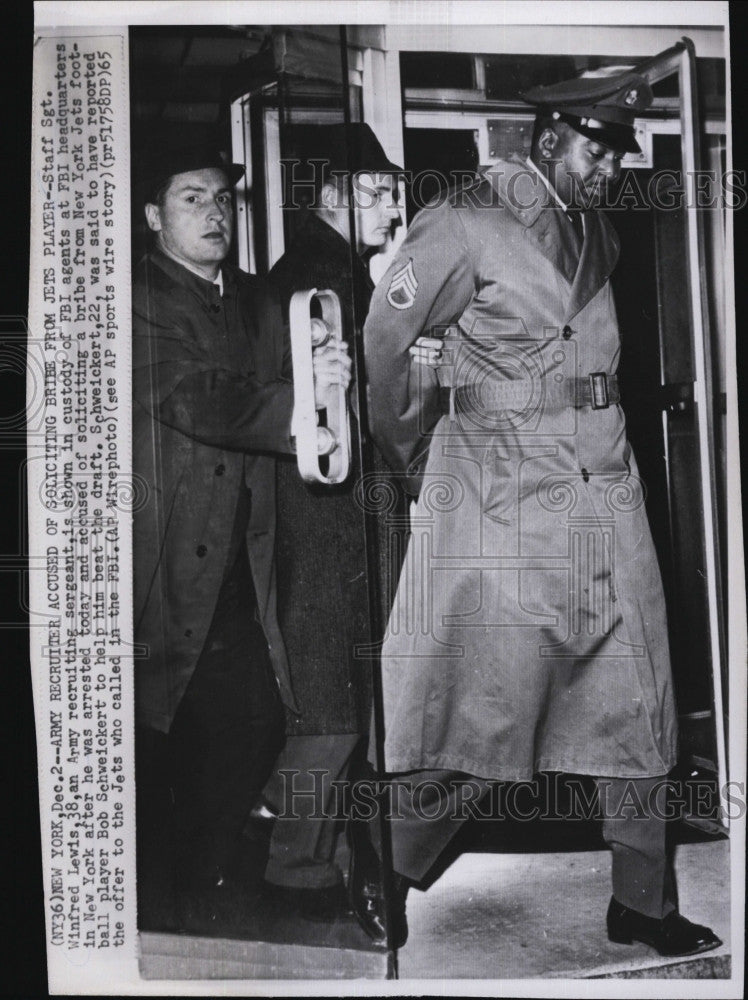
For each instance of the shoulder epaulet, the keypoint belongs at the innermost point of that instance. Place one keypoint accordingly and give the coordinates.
(451, 194)
(477, 190)
(467, 184)
(459, 194)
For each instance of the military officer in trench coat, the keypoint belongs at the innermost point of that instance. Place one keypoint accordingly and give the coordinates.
(529, 628)
(212, 406)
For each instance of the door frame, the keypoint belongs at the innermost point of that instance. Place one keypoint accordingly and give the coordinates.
(680, 60)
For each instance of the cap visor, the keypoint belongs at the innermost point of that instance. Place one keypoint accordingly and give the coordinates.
(621, 138)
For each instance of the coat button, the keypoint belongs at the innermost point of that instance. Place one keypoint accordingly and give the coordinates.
(585, 475)
(567, 332)
(200, 551)
(220, 469)
(214, 307)
(188, 633)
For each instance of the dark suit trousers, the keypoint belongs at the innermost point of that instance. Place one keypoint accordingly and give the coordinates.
(227, 732)
(304, 841)
(642, 875)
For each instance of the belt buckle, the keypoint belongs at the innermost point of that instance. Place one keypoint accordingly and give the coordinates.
(599, 398)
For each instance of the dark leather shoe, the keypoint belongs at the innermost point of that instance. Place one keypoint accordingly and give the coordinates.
(671, 936)
(320, 906)
(366, 892)
(202, 879)
(260, 822)
(207, 903)
(368, 903)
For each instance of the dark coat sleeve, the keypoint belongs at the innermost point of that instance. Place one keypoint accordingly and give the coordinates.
(404, 402)
(178, 379)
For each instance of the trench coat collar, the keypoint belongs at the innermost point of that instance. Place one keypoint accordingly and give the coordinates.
(316, 230)
(523, 193)
(203, 288)
(599, 256)
(335, 249)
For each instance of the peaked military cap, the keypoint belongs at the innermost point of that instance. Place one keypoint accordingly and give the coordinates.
(601, 107)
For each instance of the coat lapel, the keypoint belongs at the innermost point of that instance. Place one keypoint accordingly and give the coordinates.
(524, 194)
(599, 256)
(554, 237)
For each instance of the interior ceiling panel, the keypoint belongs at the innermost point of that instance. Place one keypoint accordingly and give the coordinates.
(161, 50)
(221, 51)
(194, 83)
(194, 112)
(179, 73)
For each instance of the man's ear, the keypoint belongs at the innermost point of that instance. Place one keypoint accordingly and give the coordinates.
(153, 217)
(547, 142)
(330, 197)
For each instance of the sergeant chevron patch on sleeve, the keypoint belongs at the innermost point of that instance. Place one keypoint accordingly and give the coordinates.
(403, 287)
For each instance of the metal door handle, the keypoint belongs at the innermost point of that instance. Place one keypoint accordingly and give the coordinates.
(313, 440)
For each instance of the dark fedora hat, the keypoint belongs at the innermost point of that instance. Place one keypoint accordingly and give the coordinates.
(166, 160)
(352, 147)
(601, 108)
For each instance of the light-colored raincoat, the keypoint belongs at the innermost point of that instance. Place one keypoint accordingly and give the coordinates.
(529, 629)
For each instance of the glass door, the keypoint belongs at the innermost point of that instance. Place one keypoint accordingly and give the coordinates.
(689, 234)
(330, 545)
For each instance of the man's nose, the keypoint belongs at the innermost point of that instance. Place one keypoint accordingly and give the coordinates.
(217, 210)
(611, 167)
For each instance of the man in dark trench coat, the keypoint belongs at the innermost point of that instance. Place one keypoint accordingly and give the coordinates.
(212, 407)
(529, 630)
(322, 578)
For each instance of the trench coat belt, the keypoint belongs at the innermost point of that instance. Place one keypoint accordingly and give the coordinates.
(598, 390)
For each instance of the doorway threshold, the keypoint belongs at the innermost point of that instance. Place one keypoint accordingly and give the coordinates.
(186, 957)
(490, 916)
